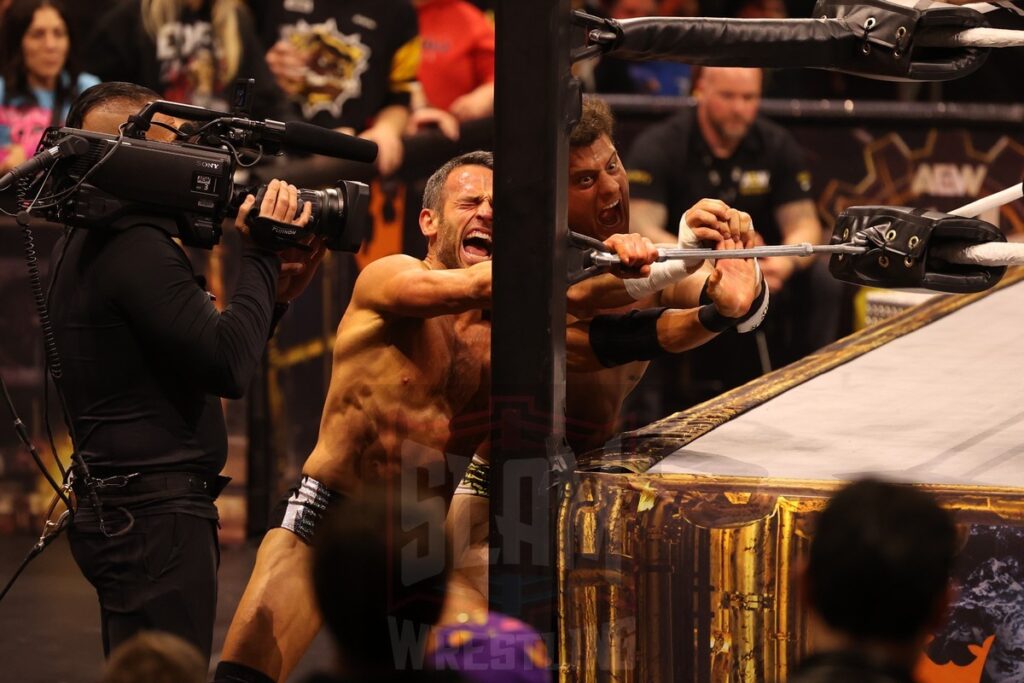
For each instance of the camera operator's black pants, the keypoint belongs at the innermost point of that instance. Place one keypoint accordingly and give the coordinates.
(161, 575)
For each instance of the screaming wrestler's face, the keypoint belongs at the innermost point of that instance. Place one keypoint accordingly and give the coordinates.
(466, 221)
(598, 190)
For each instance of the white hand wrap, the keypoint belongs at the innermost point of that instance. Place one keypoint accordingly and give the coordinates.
(758, 310)
(665, 273)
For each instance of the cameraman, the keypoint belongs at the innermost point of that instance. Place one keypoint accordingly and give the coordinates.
(146, 359)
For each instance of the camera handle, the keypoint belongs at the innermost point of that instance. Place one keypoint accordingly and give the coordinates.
(272, 234)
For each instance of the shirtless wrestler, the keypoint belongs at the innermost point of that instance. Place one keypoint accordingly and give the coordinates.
(671, 307)
(411, 360)
(676, 308)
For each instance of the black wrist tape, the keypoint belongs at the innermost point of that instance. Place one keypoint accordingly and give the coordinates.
(755, 306)
(626, 337)
(713, 321)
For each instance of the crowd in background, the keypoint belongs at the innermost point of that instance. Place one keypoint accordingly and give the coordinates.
(380, 69)
(387, 69)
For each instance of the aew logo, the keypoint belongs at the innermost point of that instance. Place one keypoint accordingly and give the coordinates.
(949, 180)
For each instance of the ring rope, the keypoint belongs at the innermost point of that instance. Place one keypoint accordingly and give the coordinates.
(975, 37)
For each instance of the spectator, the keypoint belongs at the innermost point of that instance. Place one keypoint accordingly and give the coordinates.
(39, 78)
(372, 597)
(457, 69)
(187, 50)
(613, 75)
(492, 648)
(877, 583)
(346, 65)
(724, 149)
(155, 657)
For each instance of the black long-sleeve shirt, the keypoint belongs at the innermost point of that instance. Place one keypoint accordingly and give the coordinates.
(146, 355)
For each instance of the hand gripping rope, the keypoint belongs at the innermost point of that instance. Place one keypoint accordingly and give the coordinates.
(877, 246)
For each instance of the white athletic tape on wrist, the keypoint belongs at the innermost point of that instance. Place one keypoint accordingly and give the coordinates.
(662, 275)
(752, 320)
(665, 273)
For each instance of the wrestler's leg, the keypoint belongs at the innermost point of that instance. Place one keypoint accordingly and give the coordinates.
(466, 527)
(277, 617)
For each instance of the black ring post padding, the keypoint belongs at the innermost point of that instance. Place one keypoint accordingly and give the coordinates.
(882, 48)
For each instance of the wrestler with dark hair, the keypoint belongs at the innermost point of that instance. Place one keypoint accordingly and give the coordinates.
(624, 322)
(410, 390)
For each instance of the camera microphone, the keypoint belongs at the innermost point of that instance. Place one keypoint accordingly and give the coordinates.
(70, 146)
(308, 137)
(312, 138)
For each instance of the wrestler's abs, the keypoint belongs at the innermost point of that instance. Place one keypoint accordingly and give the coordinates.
(404, 392)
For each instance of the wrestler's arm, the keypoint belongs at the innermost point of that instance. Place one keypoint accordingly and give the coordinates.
(709, 221)
(405, 286)
(676, 331)
(735, 230)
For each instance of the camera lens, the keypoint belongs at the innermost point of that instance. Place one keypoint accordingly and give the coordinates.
(338, 214)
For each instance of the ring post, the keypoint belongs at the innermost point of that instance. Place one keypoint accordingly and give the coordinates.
(529, 462)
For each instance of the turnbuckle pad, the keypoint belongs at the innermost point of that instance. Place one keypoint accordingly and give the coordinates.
(901, 251)
(892, 40)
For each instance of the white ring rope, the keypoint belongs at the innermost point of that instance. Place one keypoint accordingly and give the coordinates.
(975, 37)
(992, 201)
(988, 254)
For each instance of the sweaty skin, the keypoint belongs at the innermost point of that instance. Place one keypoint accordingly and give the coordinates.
(410, 388)
(412, 357)
(599, 208)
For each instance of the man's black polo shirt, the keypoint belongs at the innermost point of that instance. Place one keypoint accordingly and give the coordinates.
(670, 163)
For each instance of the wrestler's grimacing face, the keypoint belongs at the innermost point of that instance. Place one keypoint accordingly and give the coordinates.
(466, 223)
(598, 190)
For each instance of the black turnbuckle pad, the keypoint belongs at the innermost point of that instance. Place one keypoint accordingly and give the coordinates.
(895, 41)
(902, 245)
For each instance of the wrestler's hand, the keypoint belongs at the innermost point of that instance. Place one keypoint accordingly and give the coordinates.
(707, 220)
(636, 253)
(733, 284)
(287, 66)
(389, 147)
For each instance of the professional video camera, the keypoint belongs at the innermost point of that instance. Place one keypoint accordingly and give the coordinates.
(187, 187)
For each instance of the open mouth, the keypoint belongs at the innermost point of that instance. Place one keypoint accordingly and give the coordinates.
(477, 245)
(610, 215)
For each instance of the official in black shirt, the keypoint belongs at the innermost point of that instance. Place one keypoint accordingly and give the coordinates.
(146, 358)
(723, 149)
